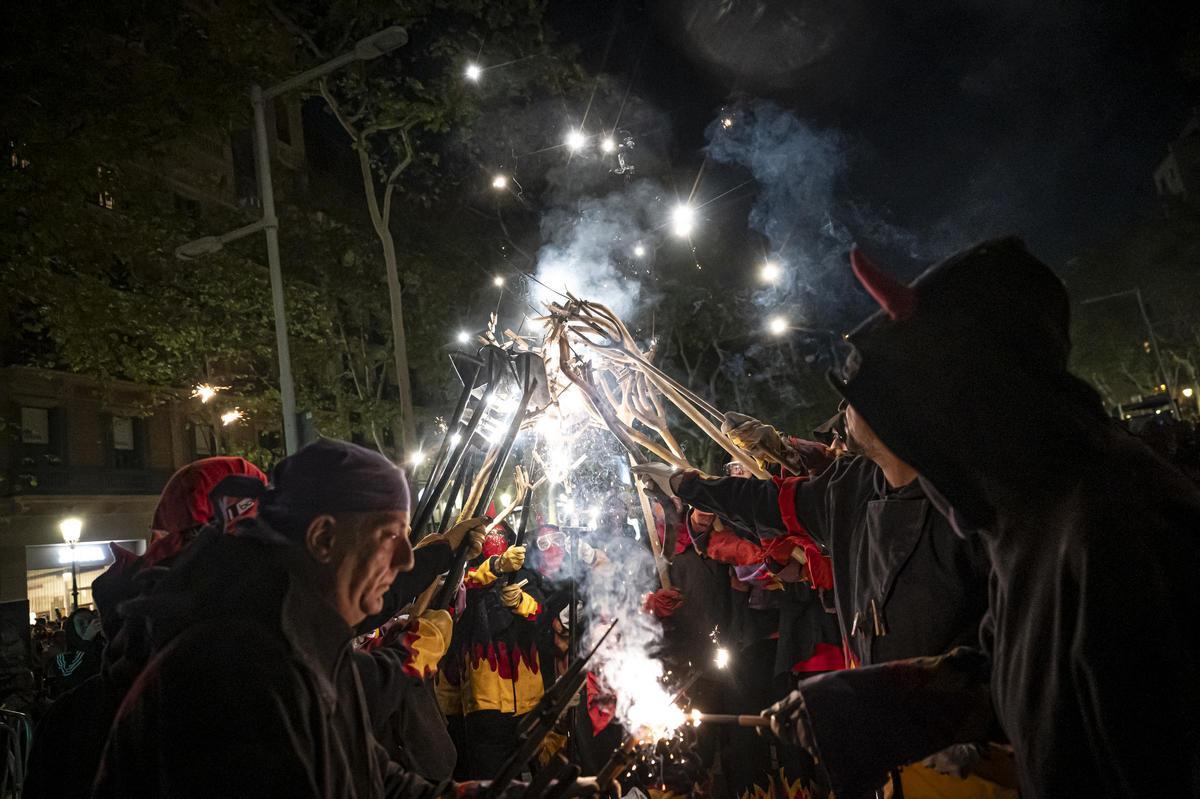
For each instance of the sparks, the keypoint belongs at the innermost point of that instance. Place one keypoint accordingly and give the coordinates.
(473, 72)
(777, 325)
(770, 272)
(575, 140)
(683, 220)
(500, 182)
(204, 392)
(696, 714)
(727, 122)
(231, 416)
(721, 658)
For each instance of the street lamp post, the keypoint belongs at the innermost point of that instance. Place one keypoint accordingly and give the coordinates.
(71, 528)
(366, 49)
(1153, 339)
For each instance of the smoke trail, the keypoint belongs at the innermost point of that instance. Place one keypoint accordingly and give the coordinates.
(591, 247)
(800, 171)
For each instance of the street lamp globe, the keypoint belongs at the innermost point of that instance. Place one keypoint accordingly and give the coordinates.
(71, 529)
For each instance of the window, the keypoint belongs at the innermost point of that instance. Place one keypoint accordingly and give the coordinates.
(103, 198)
(203, 440)
(35, 425)
(127, 440)
(122, 432)
(283, 123)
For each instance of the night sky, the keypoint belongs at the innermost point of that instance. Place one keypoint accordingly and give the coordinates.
(1039, 118)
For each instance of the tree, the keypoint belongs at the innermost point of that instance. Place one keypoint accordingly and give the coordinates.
(400, 111)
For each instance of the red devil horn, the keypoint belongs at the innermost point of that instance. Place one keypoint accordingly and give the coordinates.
(896, 299)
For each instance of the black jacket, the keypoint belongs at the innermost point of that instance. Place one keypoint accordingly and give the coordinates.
(905, 585)
(252, 689)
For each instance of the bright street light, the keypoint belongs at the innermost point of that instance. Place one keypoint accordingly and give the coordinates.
(473, 72)
(71, 529)
(498, 281)
(608, 145)
(575, 140)
(416, 458)
(683, 220)
(500, 182)
(770, 272)
(463, 337)
(777, 325)
(639, 251)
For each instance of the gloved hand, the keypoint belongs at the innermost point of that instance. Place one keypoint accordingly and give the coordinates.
(656, 477)
(475, 529)
(751, 434)
(441, 621)
(789, 721)
(662, 603)
(510, 595)
(510, 560)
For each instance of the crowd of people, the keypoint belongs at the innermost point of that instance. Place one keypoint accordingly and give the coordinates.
(976, 584)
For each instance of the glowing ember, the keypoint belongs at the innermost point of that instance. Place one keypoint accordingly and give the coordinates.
(696, 714)
(231, 416)
(204, 392)
(683, 220)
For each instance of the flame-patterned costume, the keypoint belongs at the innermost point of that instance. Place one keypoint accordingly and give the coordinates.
(491, 675)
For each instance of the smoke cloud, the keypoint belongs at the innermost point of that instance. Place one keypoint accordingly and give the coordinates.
(591, 247)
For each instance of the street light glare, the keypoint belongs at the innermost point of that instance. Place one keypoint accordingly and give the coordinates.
(777, 325)
(683, 220)
(639, 251)
(463, 337)
(1188, 392)
(575, 140)
(71, 528)
(498, 281)
(416, 458)
(473, 72)
(770, 272)
(608, 145)
(500, 182)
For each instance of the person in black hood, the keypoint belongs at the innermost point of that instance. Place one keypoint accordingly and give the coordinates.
(1089, 659)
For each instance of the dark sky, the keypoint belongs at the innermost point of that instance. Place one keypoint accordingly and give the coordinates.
(1029, 116)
